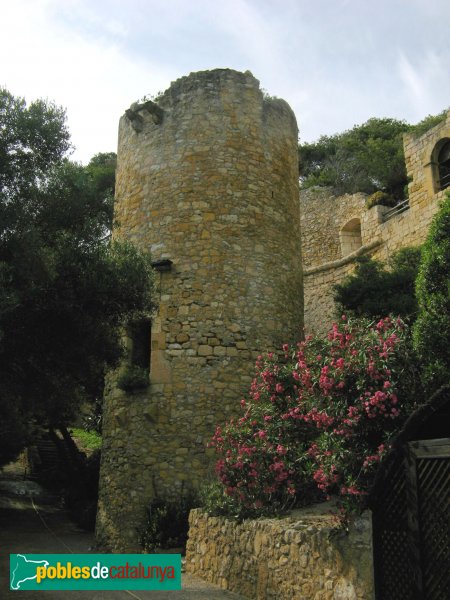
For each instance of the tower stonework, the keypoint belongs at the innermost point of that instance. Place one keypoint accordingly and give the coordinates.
(207, 181)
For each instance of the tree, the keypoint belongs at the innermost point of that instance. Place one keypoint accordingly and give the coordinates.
(32, 140)
(432, 328)
(428, 122)
(367, 158)
(66, 290)
(102, 170)
(375, 291)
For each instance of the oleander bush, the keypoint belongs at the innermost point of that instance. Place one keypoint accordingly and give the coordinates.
(318, 419)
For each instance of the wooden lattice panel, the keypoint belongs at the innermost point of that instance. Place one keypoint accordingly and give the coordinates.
(395, 578)
(433, 479)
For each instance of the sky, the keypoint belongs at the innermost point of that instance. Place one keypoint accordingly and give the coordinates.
(337, 62)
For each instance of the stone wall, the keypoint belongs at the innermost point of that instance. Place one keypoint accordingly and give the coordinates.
(324, 218)
(207, 178)
(421, 164)
(302, 557)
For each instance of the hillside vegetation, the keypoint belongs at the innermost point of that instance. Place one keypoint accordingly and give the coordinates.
(366, 158)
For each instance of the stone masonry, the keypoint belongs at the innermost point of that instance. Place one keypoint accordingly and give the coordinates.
(328, 222)
(304, 556)
(207, 178)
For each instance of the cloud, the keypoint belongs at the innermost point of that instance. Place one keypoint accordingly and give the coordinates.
(330, 61)
(426, 82)
(255, 37)
(91, 77)
(411, 78)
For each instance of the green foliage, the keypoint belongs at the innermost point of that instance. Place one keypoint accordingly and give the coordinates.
(65, 291)
(32, 139)
(166, 523)
(102, 171)
(89, 440)
(432, 328)
(380, 199)
(374, 291)
(367, 158)
(406, 260)
(428, 123)
(133, 379)
(214, 500)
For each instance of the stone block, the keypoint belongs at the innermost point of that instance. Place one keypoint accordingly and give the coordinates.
(205, 350)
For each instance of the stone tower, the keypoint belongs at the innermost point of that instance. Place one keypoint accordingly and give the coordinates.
(207, 180)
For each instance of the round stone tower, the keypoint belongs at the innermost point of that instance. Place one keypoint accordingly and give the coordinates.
(207, 181)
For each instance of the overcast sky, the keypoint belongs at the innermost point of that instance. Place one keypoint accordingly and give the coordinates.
(337, 62)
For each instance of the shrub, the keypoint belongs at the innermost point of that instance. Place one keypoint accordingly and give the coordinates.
(88, 440)
(215, 501)
(133, 379)
(432, 328)
(380, 199)
(374, 291)
(166, 523)
(319, 419)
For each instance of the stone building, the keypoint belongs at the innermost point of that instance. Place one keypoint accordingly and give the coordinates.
(337, 230)
(207, 180)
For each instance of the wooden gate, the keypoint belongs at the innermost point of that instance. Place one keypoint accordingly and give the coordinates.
(411, 520)
(430, 463)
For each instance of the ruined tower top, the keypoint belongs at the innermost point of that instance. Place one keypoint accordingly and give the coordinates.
(224, 87)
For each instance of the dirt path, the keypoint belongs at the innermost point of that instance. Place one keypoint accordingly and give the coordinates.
(30, 522)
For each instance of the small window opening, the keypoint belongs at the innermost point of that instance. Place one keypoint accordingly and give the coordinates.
(444, 166)
(350, 237)
(140, 334)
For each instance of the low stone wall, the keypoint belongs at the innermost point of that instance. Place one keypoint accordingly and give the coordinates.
(303, 557)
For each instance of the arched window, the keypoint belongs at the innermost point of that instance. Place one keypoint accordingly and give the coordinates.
(443, 161)
(350, 237)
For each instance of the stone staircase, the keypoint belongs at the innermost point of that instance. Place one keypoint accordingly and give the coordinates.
(55, 452)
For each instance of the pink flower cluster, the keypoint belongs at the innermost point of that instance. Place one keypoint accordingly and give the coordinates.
(322, 415)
